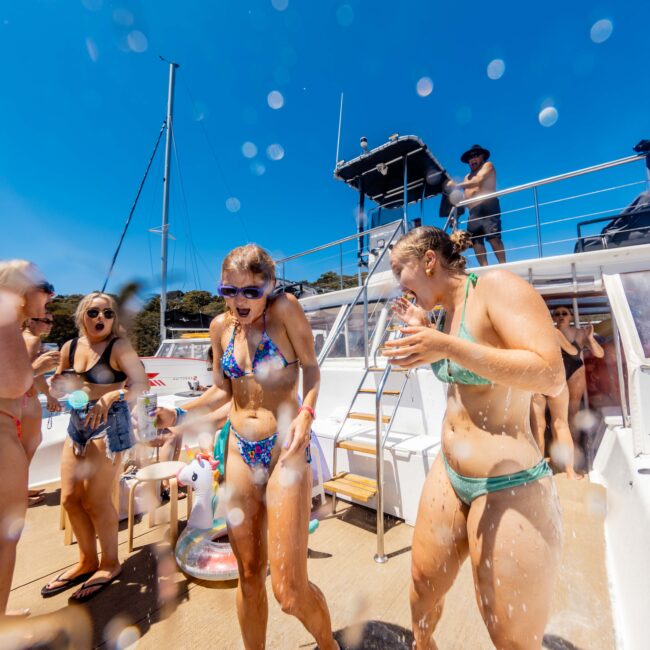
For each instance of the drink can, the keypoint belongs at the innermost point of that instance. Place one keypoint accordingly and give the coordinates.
(146, 415)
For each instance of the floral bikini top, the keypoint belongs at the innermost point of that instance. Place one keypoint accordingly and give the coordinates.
(267, 357)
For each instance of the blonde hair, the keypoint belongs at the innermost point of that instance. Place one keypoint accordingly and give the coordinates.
(19, 276)
(84, 305)
(251, 258)
(418, 241)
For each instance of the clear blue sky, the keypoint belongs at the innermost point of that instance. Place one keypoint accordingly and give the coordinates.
(84, 94)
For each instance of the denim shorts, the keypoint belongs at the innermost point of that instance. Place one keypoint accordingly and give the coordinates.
(117, 429)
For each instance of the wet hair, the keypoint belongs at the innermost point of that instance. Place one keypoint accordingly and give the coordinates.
(19, 276)
(251, 258)
(448, 248)
(84, 305)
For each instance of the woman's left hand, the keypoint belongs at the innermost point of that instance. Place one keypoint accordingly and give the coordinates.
(419, 346)
(98, 414)
(298, 437)
(53, 405)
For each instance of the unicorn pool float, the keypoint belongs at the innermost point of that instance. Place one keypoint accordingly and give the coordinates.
(197, 552)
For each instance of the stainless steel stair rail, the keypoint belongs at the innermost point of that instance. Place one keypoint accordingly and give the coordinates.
(364, 287)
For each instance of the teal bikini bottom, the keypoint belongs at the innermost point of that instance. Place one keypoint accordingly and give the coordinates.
(467, 488)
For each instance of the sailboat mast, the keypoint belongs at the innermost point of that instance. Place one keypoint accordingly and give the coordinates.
(165, 201)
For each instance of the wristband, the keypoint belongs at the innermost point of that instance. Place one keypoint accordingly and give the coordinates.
(309, 410)
(180, 414)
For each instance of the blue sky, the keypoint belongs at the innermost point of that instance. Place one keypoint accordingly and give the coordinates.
(84, 95)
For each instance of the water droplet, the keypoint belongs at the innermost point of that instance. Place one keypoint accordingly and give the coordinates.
(496, 68)
(92, 5)
(275, 152)
(548, 116)
(275, 100)
(249, 150)
(92, 50)
(258, 168)
(280, 5)
(78, 399)
(424, 86)
(345, 15)
(601, 30)
(137, 41)
(235, 516)
(233, 204)
(123, 17)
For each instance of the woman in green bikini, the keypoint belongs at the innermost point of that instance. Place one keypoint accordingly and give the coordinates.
(489, 494)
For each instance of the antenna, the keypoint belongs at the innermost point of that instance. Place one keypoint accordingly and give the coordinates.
(338, 139)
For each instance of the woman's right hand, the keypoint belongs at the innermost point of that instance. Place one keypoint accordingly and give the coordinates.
(410, 314)
(46, 362)
(165, 417)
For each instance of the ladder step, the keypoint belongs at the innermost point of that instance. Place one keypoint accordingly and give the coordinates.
(368, 417)
(382, 368)
(363, 447)
(352, 485)
(373, 391)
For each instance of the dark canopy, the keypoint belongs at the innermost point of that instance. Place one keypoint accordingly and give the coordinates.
(382, 172)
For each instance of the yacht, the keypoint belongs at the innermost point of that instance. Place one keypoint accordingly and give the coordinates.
(378, 429)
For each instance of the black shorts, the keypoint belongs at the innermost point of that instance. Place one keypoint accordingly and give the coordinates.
(485, 221)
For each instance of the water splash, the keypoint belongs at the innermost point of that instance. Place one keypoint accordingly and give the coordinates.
(233, 204)
(496, 69)
(249, 150)
(424, 86)
(275, 152)
(275, 99)
(548, 116)
(601, 30)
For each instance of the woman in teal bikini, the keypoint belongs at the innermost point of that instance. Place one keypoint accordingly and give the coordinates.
(259, 345)
(489, 493)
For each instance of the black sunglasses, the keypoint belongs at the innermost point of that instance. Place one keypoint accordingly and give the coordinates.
(46, 287)
(250, 293)
(93, 313)
(561, 313)
(45, 321)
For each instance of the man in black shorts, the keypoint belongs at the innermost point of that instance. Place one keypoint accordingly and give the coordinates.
(485, 216)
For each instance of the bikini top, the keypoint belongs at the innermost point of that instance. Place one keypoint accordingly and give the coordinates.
(102, 372)
(449, 371)
(267, 357)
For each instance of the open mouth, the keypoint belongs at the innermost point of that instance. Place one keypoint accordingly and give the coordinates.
(99, 327)
(242, 313)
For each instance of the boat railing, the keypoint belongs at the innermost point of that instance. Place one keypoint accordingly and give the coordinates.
(560, 222)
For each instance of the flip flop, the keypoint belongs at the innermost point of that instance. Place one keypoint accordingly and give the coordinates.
(97, 586)
(34, 500)
(47, 592)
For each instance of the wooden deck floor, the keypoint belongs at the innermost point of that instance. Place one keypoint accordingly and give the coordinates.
(367, 601)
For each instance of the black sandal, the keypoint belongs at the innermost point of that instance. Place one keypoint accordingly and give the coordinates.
(47, 592)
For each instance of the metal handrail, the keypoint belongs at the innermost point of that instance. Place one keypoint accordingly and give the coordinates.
(350, 307)
(550, 179)
(364, 233)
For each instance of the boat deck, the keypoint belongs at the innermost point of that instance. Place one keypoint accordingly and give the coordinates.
(367, 601)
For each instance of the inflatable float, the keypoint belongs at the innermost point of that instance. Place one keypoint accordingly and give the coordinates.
(198, 553)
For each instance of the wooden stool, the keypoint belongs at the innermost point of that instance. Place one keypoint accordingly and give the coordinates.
(153, 474)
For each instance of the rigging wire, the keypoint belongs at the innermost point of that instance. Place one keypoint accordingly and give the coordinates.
(135, 203)
(214, 154)
(153, 200)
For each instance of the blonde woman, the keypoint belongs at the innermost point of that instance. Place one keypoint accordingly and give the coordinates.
(23, 294)
(489, 494)
(259, 346)
(100, 363)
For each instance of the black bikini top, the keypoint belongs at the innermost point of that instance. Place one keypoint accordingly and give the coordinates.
(101, 372)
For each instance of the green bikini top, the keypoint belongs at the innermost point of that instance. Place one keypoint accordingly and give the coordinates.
(447, 370)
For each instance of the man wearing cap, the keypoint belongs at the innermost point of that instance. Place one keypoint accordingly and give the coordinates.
(485, 216)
